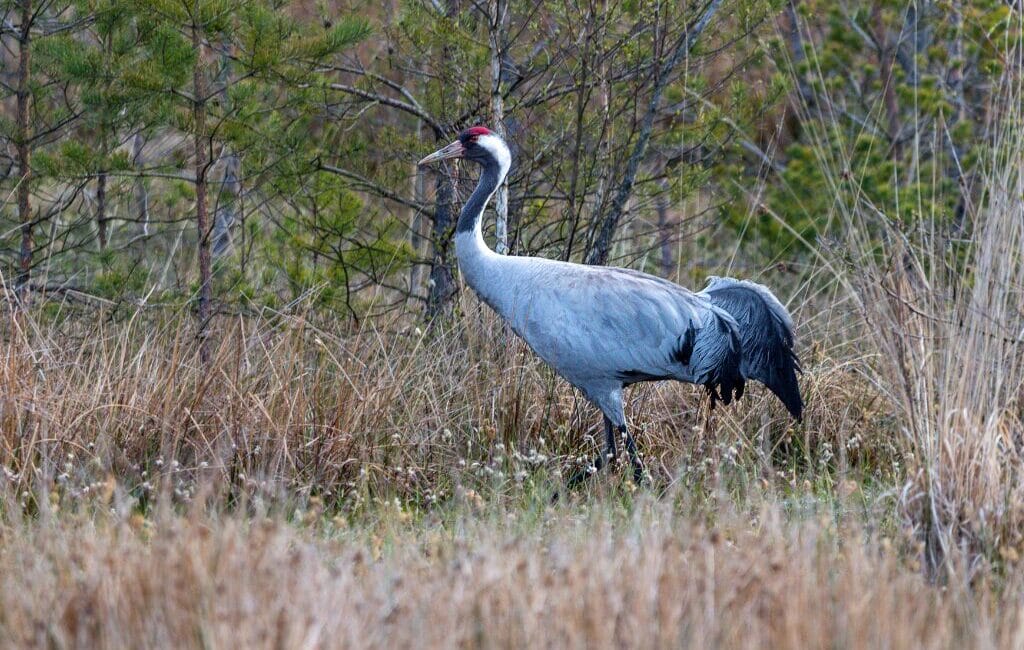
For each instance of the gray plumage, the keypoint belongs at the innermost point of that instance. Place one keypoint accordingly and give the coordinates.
(604, 328)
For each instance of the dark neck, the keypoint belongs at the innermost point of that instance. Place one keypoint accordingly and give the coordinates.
(490, 177)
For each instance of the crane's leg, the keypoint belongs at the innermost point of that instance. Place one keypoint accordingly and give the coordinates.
(634, 456)
(609, 454)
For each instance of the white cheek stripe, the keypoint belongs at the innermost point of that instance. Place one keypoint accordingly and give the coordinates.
(499, 150)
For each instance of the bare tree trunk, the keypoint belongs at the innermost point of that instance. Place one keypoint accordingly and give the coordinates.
(604, 165)
(885, 63)
(582, 99)
(499, 11)
(664, 230)
(956, 87)
(24, 150)
(101, 209)
(231, 187)
(796, 50)
(101, 177)
(416, 238)
(513, 129)
(442, 278)
(200, 145)
(227, 204)
(139, 192)
(603, 244)
(442, 271)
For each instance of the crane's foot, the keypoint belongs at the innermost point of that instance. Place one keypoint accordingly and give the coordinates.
(581, 476)
(638, 474)
(609, 456)
(634, 457)
(578, 479)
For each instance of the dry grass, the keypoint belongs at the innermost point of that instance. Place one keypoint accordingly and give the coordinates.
(321, 486)
(383, 487)
(575, 577)
(944, 304)
(290, 408)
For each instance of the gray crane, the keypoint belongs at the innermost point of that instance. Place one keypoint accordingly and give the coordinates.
(604, 328)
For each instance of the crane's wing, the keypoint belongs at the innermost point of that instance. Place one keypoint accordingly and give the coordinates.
(766, 335)
(615, 325)
(609, 322)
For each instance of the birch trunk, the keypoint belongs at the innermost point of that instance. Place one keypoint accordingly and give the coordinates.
(24, 150)
(202, 218)
(230, 195)
(139, 192)
(499, 11)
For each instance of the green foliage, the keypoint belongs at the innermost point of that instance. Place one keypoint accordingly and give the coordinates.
(881, 102)
(125, 68)
(328, 240)
(903, 152)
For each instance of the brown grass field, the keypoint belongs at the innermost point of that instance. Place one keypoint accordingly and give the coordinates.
(386, 487)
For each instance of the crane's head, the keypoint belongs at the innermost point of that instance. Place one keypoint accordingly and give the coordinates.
(477, 143)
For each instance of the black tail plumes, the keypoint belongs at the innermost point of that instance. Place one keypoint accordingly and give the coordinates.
(766, 337)
(724, 380)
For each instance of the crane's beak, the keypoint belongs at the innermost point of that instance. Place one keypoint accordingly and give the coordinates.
(454, 150)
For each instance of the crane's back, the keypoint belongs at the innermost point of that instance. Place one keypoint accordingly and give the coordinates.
(601, 324)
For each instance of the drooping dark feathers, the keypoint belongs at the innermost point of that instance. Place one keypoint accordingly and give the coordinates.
(723, 379)
(766, 337)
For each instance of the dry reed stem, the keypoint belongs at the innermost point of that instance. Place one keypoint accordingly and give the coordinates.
(567, 580)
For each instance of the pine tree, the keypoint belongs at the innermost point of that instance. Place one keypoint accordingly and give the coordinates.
(268, 52)
(98, 64)
(40, 114)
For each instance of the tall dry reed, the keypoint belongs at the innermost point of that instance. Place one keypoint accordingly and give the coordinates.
(942, 306)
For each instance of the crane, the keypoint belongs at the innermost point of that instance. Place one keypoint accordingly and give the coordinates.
(605, 328)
